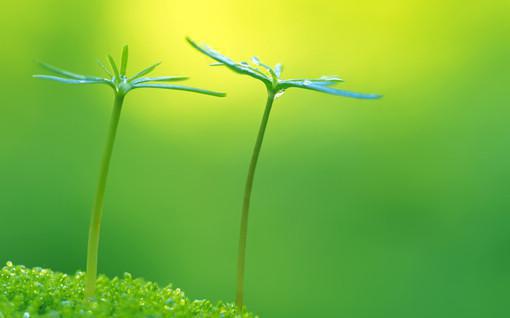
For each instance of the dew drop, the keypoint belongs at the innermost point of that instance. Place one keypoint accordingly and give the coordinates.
(279, 94)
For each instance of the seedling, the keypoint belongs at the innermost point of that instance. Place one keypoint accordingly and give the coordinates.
(121, 84)
(276, 86)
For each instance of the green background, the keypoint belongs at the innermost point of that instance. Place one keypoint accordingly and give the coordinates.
(390, 208)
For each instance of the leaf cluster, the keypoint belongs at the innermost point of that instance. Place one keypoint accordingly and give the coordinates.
(271, 76)
(116, 77)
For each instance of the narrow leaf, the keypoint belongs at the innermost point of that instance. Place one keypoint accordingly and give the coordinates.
(182, 88)
(70, 81)
(278, 70)
(339, 92)
(160, 79)
(104, 68)
(228, 62)
(306, 84)
(271, 71)
(123, 66)
(145, 71)
(330, 78)
(64, 73)
(114, 67)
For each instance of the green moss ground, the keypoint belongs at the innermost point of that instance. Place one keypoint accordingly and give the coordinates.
(38, 292)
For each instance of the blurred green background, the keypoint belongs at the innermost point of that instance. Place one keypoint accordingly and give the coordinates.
(390, 208)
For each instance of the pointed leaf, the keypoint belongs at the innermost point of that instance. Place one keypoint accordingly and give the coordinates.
(330, 78)
(114, 67)
(271, 71)
(71, 81)
(228, 62)
(278, 70)
(160, 79)
(145, 71)
(104, 68)
(123, 65)
(322, 82)
(306, 84)
(66, 73)
(182, 88)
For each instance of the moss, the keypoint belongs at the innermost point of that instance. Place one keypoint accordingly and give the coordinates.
(38, 292)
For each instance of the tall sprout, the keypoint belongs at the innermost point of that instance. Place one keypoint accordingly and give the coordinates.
(121, 83)
(275, 87)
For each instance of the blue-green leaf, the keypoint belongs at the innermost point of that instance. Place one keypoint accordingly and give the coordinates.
(71, 81)
(66, 73)
(160, 79)
(182, 88)
(278, 70)
(104, 68)
(307, 84)
(242, 68)
(145, 71)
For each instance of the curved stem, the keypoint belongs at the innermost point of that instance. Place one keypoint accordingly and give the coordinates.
(95, 222)
(246, 203)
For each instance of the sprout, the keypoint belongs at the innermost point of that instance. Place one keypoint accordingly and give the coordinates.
(276, 87)
(121, 84)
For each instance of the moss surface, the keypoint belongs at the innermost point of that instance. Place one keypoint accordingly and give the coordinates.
(38, 292)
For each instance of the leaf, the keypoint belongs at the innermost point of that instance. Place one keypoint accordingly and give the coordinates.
(270, 70)
(306, 84)
(114, 67)
(330, 78)
(308, 81)
(278, 70)
(66, 73)
(123, 65)
(145, 71)
(217, 64)
(104, 68)
(71, 81)
(182, 88)
(160, 79)
(228, 62)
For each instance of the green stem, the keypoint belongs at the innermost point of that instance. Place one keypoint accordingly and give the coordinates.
(95, 222)
(246, 203)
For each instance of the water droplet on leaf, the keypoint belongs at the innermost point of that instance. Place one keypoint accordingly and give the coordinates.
(279, 94)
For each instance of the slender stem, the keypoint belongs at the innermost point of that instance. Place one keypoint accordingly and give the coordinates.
(246, 203)
(95, 221)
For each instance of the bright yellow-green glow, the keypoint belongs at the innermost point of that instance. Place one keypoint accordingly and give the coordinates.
(394, 208)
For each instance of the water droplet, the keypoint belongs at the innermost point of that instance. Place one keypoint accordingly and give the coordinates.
(307, 82)
(26, 315)
(255, 60)
(279, 94)
(9, 264)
